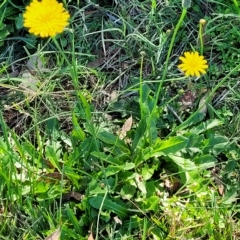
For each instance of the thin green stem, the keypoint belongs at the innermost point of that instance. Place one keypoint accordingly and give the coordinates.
(201, 38)
(184, 12)
(141, 84)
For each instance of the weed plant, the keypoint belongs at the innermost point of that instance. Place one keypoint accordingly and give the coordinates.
(103, 137)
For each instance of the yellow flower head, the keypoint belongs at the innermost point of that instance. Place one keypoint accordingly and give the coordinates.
(193, 64)
(45, 18)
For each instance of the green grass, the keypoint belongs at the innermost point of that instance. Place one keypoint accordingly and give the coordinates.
(72, 159)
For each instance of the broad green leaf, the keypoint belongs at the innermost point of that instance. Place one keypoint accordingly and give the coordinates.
(165, 147)
(98, 201)
(171, 145)
(205, 161)
(230, 196)
(158, 233)
(204, 126)
(216, 144)
(107, 158)
(183, 163)
(147, 172)
(191, 121)
(72, 174)
(77, 130)
(151, 204)
(127, 191)
(94, 187)
(139, 138)
(73, 219)
(128, 166)
(141, 184)
(113, 140)
(112, 170)
(134, 222)
(188, 171)
(52, 157)
(147, 103)
(151, 189)
(19, 22)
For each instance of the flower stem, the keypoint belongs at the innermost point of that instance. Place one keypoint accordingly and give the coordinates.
(141, 84)
(184, 12)
(201, 39)
(202, 23)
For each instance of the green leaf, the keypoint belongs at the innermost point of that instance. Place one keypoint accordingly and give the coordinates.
(183, 163)
(128, 166)
(19, 22)
(95, 187)
(230, 196)
(52, 157)
(204, 126)
(73, 219)
(147, 172)
(188, 171)
(112, 170)
(158, 233)
(134, 222)
(216, 144)
(113, 140)
(127, 191)
(139, 138)
(77, 131)
(151, 204)
(108, 204)
(205, 161)
(107, 158)
(151, 189)
(165, 147)
(191, 121)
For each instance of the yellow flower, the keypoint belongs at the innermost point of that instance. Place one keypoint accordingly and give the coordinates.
(45, 18)
(193, 64)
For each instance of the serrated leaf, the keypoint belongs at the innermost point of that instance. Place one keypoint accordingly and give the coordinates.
(171, 145)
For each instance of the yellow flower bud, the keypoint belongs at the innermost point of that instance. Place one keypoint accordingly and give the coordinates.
(202, 22)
